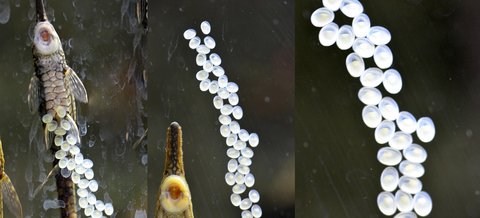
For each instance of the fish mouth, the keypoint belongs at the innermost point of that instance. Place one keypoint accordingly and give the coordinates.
(40, 10)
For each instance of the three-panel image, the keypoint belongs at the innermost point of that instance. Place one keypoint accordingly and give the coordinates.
(295, 108)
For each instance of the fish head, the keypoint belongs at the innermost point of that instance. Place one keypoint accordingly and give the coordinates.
(46, 40)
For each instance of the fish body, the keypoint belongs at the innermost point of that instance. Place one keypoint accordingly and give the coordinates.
(8, 195)
(174, 199)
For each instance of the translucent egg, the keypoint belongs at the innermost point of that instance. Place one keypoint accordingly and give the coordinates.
(384, 132)
(89, 210)
(239, 145)
(83, 203)
(243, 169)
(83, 183)
(218, 71)
(231, 139)
(65, 172)
(215, 59)
(328, 34)
(203, 49)
(361, 25)
(75, 177)
(256, 211)
(386, 203)
(237, 112)
(223, 81)
(80, 169)
(333, 5)
(208, 66)
(223, 94)
(87, 163)
(204, 85)
(247, 152)
(230, 178)
(406, 215)
(232, 165)
(58, 140)
(371, 77)
(108, 209)
(400, 140)
(411, 169)
(410, 185)
(74, 150)
(404, 201)
(82, 193)
(406, 122)
(244, 161)
(91, 199)
(371, 116)
(239, 178)
(79, 158)
(322, 17)
(232, 87)
(389, 179)
(93, 186)
(47, 118)
(61, 111)
(351, 8)
(205, 27)
(224, 130)
(249, 180)
(422, 204)
(71, 164)
(194, 42)
(345, 37)
(96, 214)
(213, 88)
(379, 35)
(369, 96)
(202, 75)
(62, 163)
(224, 119)
(234, 127)
(415, 153)
(246, 214)
(100, 206)
(253, 140)
(245, 204)
(392, 81)
(233, 153)
(383, 56)
(235, 199)
(363, 47)
(254, 196)
(355, 65)
(239, 188)
(72, 140)
(389, 108)
(52, 126)
(209, 42)
(65, 146)
(189, 34)
(60, 131)
(425, 129)
(389, 156)
(244, 135)
(217, 102)
(233, 99)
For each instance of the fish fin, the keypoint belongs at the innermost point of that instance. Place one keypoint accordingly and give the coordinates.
(50, 174)
(75, 85)
(48, 138)
(33, 98)
(74, 129)
(10, 197)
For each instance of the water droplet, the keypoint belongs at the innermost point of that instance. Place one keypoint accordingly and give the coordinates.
(322, 17)
(389, 156)
(328, 34)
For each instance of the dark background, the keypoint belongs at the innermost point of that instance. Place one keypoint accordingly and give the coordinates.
(435, 49)
(255, 41)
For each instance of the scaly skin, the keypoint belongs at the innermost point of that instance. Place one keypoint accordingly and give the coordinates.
(11, 197)
(174, 199)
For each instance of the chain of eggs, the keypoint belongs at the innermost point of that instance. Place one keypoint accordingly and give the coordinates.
(72, 164)
(381, 113)
(238, 175)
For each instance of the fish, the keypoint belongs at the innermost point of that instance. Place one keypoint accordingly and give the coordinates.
(8, 195)
(53, 90)
(174, 197)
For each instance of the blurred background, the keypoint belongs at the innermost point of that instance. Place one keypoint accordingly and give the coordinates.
(99, 38)
(255, 40)
(435, 48)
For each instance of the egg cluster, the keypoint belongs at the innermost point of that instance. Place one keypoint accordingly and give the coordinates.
(381, 112)
(237, 139)
(72, 163)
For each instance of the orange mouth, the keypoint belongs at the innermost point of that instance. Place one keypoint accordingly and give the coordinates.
(174, 191)
(45, 35)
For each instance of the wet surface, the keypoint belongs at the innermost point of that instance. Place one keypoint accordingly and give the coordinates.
(435, 49)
